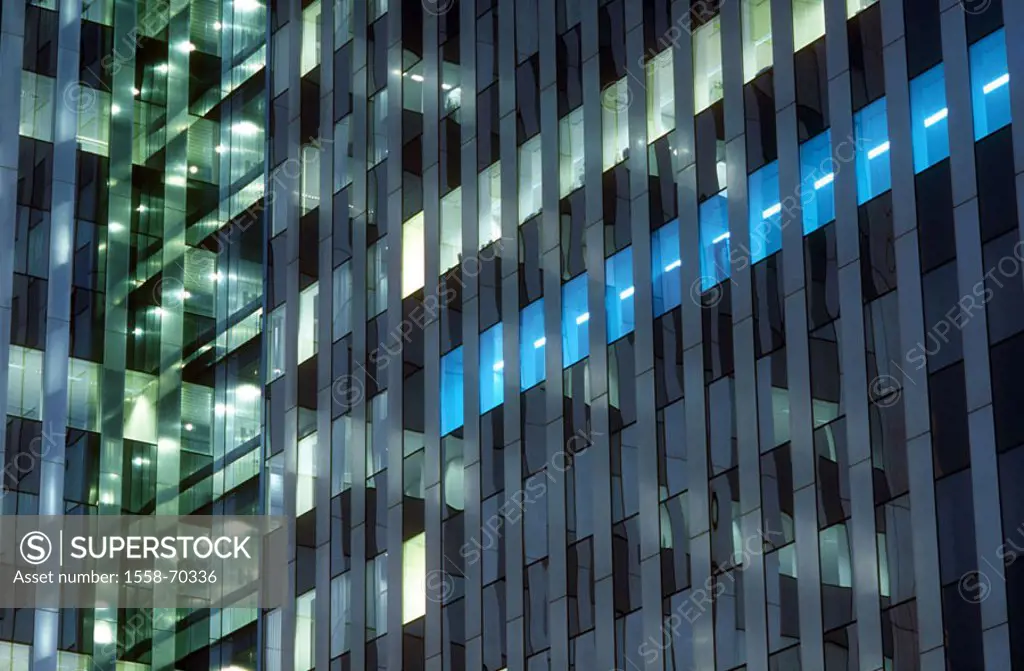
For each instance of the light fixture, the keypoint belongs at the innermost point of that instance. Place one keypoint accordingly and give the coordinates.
(189, 427)
(186, 47)
(162, 68)
(175, 180)
(936, 118)
(824, 181)
(114, 109)
(215, 276)
(102, 246)
(772, 211)
(185, 295)
(248, 392)
(626, 293)
(140, 208)
(220, 409)
(879, 150)
(219, 149)
(135, 91)
(137, 331)
(672, 266)
(193, 169)
(416, 78)
(996, 83)
(446, 87)
(498, 367)
(247, 5)
(216, 25)
(583, 318)
(115, 227)
(721, 238)
(539, 342)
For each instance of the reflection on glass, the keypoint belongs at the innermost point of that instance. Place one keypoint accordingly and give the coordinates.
(492, 367)
(529, 178)
(990, 84)
(817, 177)
(532, 345)
(714, 240)
(570, 152)
(665, 267)
(764, 212)
(619, 292)
(575, 321)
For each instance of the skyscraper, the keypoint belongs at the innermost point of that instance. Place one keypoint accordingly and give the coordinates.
(572, 334)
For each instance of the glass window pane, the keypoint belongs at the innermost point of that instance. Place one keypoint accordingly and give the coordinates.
(757, 37)
(37, 106)
(615, 122)
(665, 267)
(808, 22)
(575, 319)
(489, 194)
(714, 240)
(451, 391)
(341, 614)
(707, 64)
(342, 154)
(310, 185)
(928, 122)
(305, 487)
(377, 112)
(413, 257)
(570, 152)
(817, 196)
(451, 230)
(529, 178)
(414, 578)
(871, 135)
(342, 22)
(492, 366)
(342, 300)
(275, 344)
(854, 7)
(531, 347)
(618, 295)
(377, 278)
(764, 212)
(990, 80)
(310, 56)
(308, 319)
(305, 630)
(661, 104)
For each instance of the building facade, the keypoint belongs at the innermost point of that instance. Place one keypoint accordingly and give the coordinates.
(573, 334)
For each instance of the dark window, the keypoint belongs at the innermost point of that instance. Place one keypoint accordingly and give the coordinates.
(950, 440)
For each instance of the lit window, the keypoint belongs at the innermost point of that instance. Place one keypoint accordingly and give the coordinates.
(570, 152)
(532, 345)
(451, 230)
(342, 154)
(305, 630)
(451, 391)
(310, 182)
(341, 613)
(764, 212)
(489, 195)
(342, 22)
(529, 178)
(377, 113)
(618, 295)
(342, 301)
(871, 135)
(665, 267)
(275, 343)
(854, 7)
(990, 84)
(661, 103)
(928, 118)
(309, 311)
(714, 240)
(413, 255)
(817, 175)
(451, 92)
(757, 37)
(414, 578)
(575, 321)
(377, 278)
(305, 486)
(808, 22)
(707, 64)
(615, 122)
(343, 454)
(310, 56)
(492, 369)
(37, 106)
(377, 596)
(834, 545)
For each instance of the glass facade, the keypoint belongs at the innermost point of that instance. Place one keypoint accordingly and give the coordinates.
(702, 459)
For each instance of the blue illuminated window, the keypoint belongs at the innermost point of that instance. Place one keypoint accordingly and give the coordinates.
(990, 84)
(451, 391)
(764, 212)
(532, 345)
(714, 240)
(929, 132)
(575, 320)
(817, 174)
(665, 267)
(492, 369)
(871, 133)
(618, 294)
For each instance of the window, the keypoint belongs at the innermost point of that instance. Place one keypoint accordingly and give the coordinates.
(377, 278)
(305, 487)
(990, 79)
(714, 240)
(808, 22)
(489, 194)
(707, 64)
(665, 267)
(414, 578)
(764, 212)
(451, 391)
(854, 7)
(342, 22)
(570, 152)
(817, 196)
(377, 112)
(308, 319)
(310, 56)
(94, 114)
(575, 317)
(305, 630)
(661, 104)
(341, 614)
(757, 37)
(618, 295)
(871, 135)
(615, 123)
(310, 185)
(342, 154)
(413, 255)
(37, 106)
(928, 123)
(451, 230)
(451, 92)
(531, 346)
(342, 301)
(529, 178)
(492, 367)
(275, 344)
